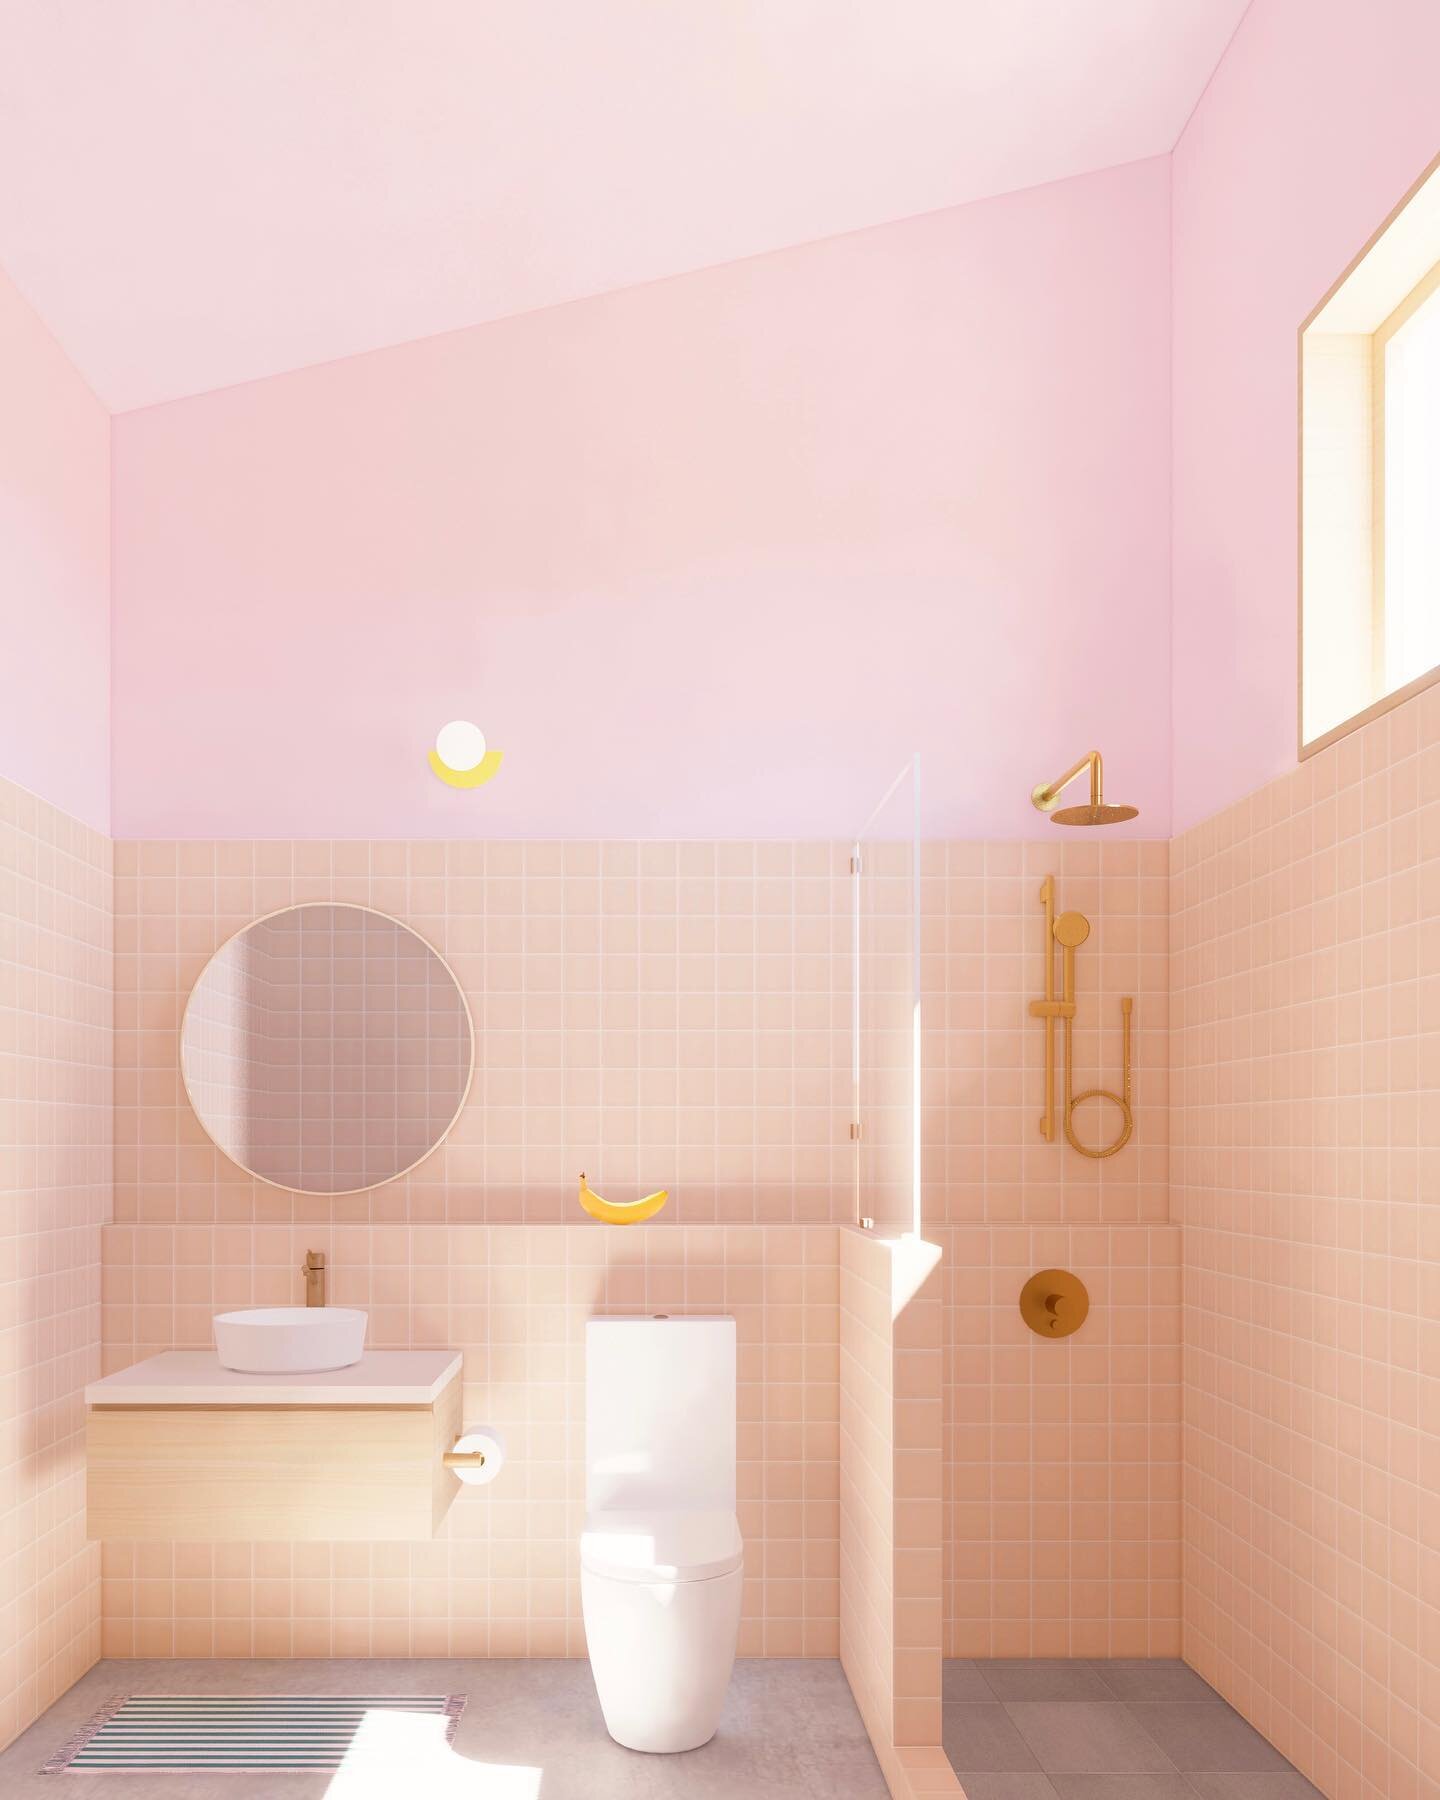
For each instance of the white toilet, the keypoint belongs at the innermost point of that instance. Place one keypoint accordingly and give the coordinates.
(660, 1558)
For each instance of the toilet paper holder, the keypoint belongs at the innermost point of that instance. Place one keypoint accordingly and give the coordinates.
(477, 1456)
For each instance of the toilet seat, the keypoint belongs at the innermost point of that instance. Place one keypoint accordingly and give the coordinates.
(656, 1546)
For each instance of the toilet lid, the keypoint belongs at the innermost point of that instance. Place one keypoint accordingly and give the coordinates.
(661, 1546)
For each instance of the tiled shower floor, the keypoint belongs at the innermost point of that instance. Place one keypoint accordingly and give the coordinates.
(530, 1731)
(1152, 1730)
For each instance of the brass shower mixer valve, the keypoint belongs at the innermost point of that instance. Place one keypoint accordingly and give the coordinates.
(1054, 1303)
(1070, 931)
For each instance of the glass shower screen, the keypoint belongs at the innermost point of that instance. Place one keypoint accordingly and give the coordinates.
(885, 1009)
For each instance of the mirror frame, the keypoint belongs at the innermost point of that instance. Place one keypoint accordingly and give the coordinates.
(326, 1193)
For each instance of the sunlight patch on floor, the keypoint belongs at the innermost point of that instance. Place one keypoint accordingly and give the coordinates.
(395, 1752)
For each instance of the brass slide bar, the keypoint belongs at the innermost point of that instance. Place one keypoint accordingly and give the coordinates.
(1070, 931)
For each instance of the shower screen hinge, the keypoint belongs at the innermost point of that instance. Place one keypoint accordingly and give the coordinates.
(855, 1130)
(855, 865)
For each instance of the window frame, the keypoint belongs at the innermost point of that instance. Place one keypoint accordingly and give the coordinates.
(1383, 332)
(1422, 291)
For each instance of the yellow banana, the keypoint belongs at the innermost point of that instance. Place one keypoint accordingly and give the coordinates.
(626, 1212)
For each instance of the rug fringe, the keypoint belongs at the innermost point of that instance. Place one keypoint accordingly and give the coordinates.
(72, 1746)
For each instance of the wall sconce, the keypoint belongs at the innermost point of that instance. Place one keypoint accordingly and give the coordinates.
(460, 757)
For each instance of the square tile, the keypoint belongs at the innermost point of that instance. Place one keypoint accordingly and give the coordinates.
(1205, 1737)
(989, 1785)
(1084, 1736)
(980, 1735)
(1122, 1787)
(1041, 1678)
(960, 1679)
(1232, 1784)
(1151, 1678)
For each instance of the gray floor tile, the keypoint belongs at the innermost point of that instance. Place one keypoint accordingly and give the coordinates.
(981, 1735)
(1122, 1787)
(1043, 1678)
(805, 1703)
(1085, 1736)
(1205, 1737)
(841, 1770)
(983, 1784)
(960, 1679)
(1151, 1678)
(571, 1774)
(790, 1731)
(1230, 1784)
(724, 1767)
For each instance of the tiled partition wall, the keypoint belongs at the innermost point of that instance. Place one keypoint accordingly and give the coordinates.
(55, 1001)
(1306, 932)
(890, 1512)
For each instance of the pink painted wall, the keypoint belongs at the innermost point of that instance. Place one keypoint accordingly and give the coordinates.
(54, 570)
(704, 558)
(1315, 124)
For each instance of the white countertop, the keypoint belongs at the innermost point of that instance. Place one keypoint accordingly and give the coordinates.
(195, 1378)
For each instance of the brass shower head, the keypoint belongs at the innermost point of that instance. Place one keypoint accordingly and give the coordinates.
(1096, 813)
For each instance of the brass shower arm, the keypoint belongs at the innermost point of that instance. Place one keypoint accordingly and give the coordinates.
(1047, 793)
(1097, 812)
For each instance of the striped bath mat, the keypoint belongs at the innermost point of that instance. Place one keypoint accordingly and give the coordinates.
(150, 1733)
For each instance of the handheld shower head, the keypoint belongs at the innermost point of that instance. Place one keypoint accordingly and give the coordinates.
(1097, 812)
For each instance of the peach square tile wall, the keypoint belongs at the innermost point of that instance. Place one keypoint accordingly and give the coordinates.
(890, 1514)
(654, 1013)
(55, 1045)
(1062, 1494)
(681, 1014)
(983, 929)
(867, 1481)
(1062, 1461)
(502, 1579)
(1306, 941)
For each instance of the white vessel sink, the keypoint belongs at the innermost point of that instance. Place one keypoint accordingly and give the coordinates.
(289, 1340)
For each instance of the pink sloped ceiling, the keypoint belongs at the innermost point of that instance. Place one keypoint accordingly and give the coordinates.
(704, 558)
(201, 195)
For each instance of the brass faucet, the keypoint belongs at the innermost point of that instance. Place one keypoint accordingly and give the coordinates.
(313, 1269)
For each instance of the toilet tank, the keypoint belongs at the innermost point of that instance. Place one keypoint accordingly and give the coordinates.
(660, 1414)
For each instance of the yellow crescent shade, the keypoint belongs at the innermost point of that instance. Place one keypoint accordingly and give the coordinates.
(487, 766)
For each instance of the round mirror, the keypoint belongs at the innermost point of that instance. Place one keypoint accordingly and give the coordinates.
(326, 1049)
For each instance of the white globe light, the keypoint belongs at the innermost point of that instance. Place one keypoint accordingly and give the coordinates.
(460, 745)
